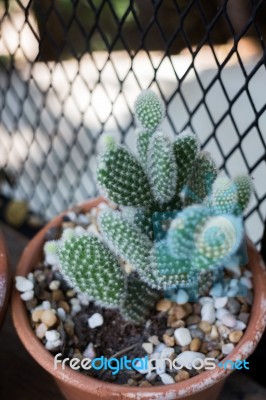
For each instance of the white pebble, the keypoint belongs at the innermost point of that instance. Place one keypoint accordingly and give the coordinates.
(220, 302)
(148, 347)
(167, 379)
(227, 348)
(75, 301)
(217, 290)
(182, 297)
(233, 283)
(26, 296)
(52, 335)
(23, 284)
(233, 292)
(95, 320)
(53, 345)
(248, 273)
(239, 326)
(84, 299)
(187, 357)
(182, 336)
(246, 282)
(61, 314)
(160, 347)
(139, 365)
(54, 285)
(67, 234)
(31, 277)
(80, 231)
(208, 313)
(89, 352)
(221, 312)
(228, 320)
(46, 305)
(75, 309)
(204, 300)
(41, 330)
(234, 268)
(83, 219)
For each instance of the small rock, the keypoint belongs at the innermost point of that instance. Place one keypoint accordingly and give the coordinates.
(132, 382)
(61, 314)
(246, 282)
(41, 330)
(69, 327)
(195, 344)
(145, 384)
(148, 347)
(240, 326)
(53, 345)
(178, 311)
(182, 336)
(217, 290)
(46, 305)
(233, 305)
(164, 305)
(151, 376)
(213, 354)
(70, 293)
(139, 364)
(205, 326)
(54, 285)
(167, 379)
(227, 348)
(23, 284)
(244, 317)
(154, 340)
(235, 336)
(187, 357)
(232, 292)
(95, 320)
(63, 304)
(182, 375)
(52, 335)
(221, 312)
(174, 323)
(57, 295)
(48, 317)
(196, 333)
(26, 296)
(76, 309)
(192, 320)
(208, 312)
(84, 299)
(169, 340)
(214, 334)
(248, 273)
(205, 300)
(89, 352)
(228, 320)
(182, 297)
(159, 348)
(224, 331)
(36, 315)
(220, 302)
(204, 348)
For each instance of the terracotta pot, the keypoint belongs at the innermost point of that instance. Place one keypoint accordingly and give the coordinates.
(76, 386)
(5, 278)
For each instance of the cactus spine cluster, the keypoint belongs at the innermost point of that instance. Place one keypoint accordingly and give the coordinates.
(175, 219)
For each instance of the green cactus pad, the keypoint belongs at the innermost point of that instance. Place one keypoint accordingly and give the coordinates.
(122, 179)
(224, 196)
(143, 140)
(91, 268)
(244, 187)
(149, 110)
(162, 169)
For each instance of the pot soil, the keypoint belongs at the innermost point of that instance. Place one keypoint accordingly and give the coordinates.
(5, 279)
(75, 385)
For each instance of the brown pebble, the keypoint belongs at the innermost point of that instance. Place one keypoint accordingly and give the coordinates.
(48, 317)
(164, 305)
(70, 293)
(63, 304)
(36, 315)
(182, 375)
(132, 382)
(193, 320)
(244, 308)
(235, 336)
(205, 326)
(69, 328)
(178, 311)
(30, 304)
(214, 332)
(44, 295)
(197, 308)
(144, 384)
(57, 295)
(169, 340)
(188, 308)
(68, 224)
(195, 344)
(173, 323)
(77, 354)
(213, 354)
(204, 348)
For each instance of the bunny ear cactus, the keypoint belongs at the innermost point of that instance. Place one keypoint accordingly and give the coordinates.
(92, 269)
(244, 187)
(149, 110)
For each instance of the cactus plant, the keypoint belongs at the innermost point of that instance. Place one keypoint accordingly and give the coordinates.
(175, 222)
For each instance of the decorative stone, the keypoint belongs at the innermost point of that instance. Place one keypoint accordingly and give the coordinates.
(182, 336)
(57, 295)
(95, 320)
(154, 340)
(182, 375)
(214, 334)
(192, 320)
(195, 344)
(54, 285)
(220, 302)
(46, 305)
(55, 344)
(204, 300)
(148, 347)
(26, 296)
(205, 326)
(227, 348)
(163, 305)
(246, 282)
(240, 326)
(52, 335)
(89, 352)
(48, 317)
(167, 379)
(244, 317)
(61, 314)
(233, 305)
(63, 304)
(23, 284)
(169, 340)
(187, 357)
(178, 311)
(182, 297)
(235, 336)
(217, 290)
(36, 315)
(208, 312)
(41, 330)
(228, 320)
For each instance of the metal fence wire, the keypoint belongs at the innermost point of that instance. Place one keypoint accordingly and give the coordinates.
(71, 70)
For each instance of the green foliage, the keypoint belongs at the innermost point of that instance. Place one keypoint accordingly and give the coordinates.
(91, 268)
(244, 187)
(200, 179)
(143, 140)
(122, 179)
(224, 196)
(149, 110)
(162, 168)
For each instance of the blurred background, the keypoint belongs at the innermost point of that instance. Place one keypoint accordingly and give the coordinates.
(71, 70)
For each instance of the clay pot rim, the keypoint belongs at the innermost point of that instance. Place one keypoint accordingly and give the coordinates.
(5, 277)
(181, 389)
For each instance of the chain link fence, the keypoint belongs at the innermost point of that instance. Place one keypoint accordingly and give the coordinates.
(71, 70)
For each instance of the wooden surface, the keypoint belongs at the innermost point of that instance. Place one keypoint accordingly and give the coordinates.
(21, 378)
